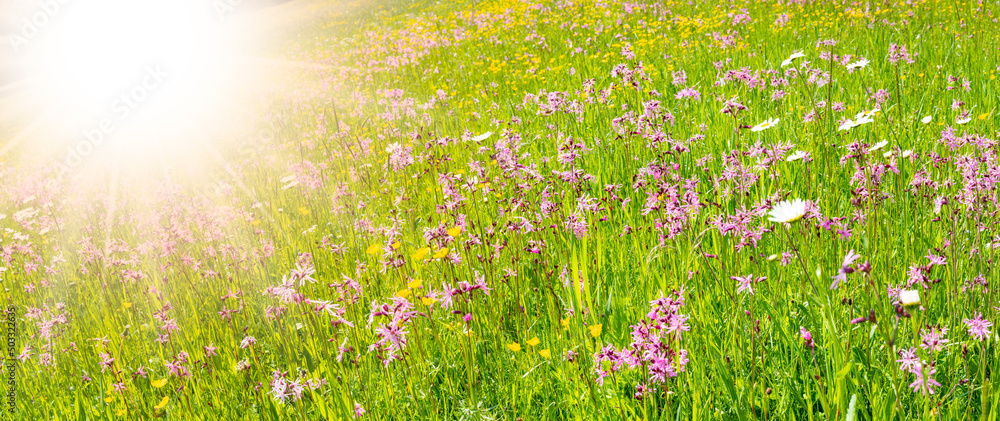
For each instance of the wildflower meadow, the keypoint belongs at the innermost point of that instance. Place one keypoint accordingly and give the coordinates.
(526, 210)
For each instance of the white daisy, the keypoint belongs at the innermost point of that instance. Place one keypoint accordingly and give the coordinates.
(878, 146)
(863, 118)
(927, 119)
(765, 125)
(860, 64)
(867, 113)
(907, 153)
(964, 120)
(791, 58)
(797, 155)
(787, 211)
(482, 137)
(846, 125)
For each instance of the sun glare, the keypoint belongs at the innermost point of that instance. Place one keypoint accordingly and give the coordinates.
(150, 74)
(107, 47)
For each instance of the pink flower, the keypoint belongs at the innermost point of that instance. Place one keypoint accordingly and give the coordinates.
(247, 342)
(808, 337)
(907, 359)
(979, 328)
(924, 380)
(209, 351)
(934, 339)
(107, 362)
(745, 283)
(845, 269)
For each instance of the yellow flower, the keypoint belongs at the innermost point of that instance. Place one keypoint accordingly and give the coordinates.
(514, 347)
(420, 254)
(984, 116)
(255, 222)
(163, 403)
(396, 245)
(565, 323)
(534, 341)
(304, 210)
(403, 293)
(455, 231)
(414, 284)
(595, 330)
(126, 305)
(121, 412)
(427, 301)
(109, 399)
(374, 249)
(159, 383)
(441, 253)
(545, 353)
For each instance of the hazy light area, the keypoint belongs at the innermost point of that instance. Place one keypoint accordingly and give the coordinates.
(152, 84)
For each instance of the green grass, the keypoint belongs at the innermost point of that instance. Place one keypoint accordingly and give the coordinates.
(192, 242)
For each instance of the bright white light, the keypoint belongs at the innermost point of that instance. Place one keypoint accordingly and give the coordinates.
(103, 47)
(135, 80)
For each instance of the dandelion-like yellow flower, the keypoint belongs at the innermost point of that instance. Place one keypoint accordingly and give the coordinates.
(159, 383)
(455, 231)
(421, 253)
(534, 341)
(440, 254)
(374, 249)
(545, 353)
(163, 403)
(514, 347)
(595, 330)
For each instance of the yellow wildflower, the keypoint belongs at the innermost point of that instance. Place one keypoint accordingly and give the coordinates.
(420, 254)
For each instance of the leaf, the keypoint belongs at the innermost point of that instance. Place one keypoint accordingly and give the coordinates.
(727, 380)
(844, 371)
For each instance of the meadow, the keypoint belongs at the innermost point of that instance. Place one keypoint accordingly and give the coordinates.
(546, 209)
